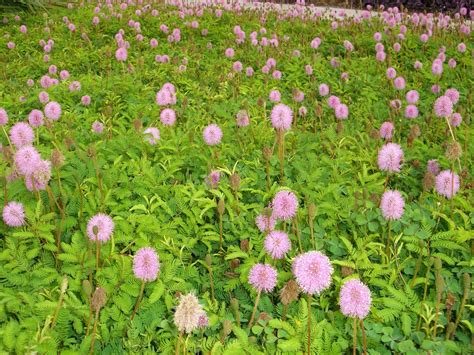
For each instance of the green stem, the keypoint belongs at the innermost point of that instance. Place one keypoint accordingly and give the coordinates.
(140, 295)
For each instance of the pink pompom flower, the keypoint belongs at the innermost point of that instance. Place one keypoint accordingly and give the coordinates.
(281, 117)
(14, 214)
(313, 272)
(411, 111)
(3, 117)
(168, 117)
(285, 205)
(392, 205)
(277, 244)
(146, 264)
(390, 157)
(263, 277)
(212, 134)
(21, 134)
(443, 106)
(386, 130)
(355, 299)
(152, 135)
(100, 227)
(52, 110)
(447, 183)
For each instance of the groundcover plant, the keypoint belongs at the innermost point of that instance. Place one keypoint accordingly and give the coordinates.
(211, 178)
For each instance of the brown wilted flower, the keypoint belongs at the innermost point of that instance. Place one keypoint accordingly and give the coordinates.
(340, 127)
(428, 181)
(99, 298)
(453, 151)
(57, 158)
(221, 206)
(264, 316)
(290, 292)
(137, 124)
(346, 271)
(267, 153)
(374, 134)
(235, 181)
(244, 245)
(450, 301)
(234, 264)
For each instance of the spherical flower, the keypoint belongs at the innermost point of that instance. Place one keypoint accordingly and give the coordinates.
(323, 89)
(86, 100)
(453, 95)
(355, 299)
(213, 179)
(35, 118)
(302, 111)
(285, 205)
(312, 271)
(152, 135)
(435, 89)
(3, 117)
(411, 111)
(399, 83)
(390, 157)
(43, 97)
(26, 158)
(52, 110)
(121, 54)
(418, 65)
(229, 53)
(40, 176)
(97, 127)
(277, 244)
(263, 277)
(14, 214)
(265, 223)
(274, 96)
(21, 134)
(412, 97)
(281, 117)
(341, 111)
(386, 130)
(433, 166)
(456, 119)
(100, 228)
(168, 117)
(333, 101)
(447, 183)
(391, 73)
(203, 320)
(392, 205)
(237, 66)
(242, 118)
(443, 106)
(146, 264)
(187, 314)
(298, 96)
(437, 67)
(212, 134)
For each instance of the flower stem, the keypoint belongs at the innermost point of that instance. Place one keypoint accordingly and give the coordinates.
(354, 348)
(254, 309)
(309, 323)
(97, 256)
(364, 338)
(139, 299)
(96, 319)
(176, 352)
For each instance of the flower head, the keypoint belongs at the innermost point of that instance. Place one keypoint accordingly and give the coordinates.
(13, 214)
(355, 299)
(263, 277)
(3, 117)
(341, 111)
(21, 134)
(386, 130)
(52, 110)
(242, 118)
(285, 205)
(146, 264)
(35, 118)
(453, 95)
(212, 134)
(121, 54)
(447, 183)
(433, 166)
(313, 272)
(443, 106)
(265, 223)
(392, 205)
(100, 228)
(152, 135)
(390, 157)
(188, 313)
(168, 117)
(282, 117)
(213, 179)
(277, 244)
(40, 176)
(26, 158)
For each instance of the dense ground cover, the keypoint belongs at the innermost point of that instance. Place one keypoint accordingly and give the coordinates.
(153, 152)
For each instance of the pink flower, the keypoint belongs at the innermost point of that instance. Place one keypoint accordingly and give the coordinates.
(249, 71)
(263, 277)
(391, 73)
(40, 176)
(298, 96)
(265, 223)
(212, 134)
(237, 66)
(447, 183)
(285, 205)
(443, 106)
(97, 127)
(411, 111)
(355, 299)
(100, 228)
(433, 166)
(121, 54)
(52, 110)
(26, 158)
(323, 89)
(412, 96)
(21, 134)
(341, 111)
(386, 130)
(213, 179)
(152, 135)
(281, 117)
(43, 97)
(275, 96)
(456, 119)
(453, 95)
(418, 65)
(86, 100)
(3, 117)
(399, 83)
(64, 74)
(35, 118)
(390, 157)
(168, 117)
(14, 214)
(146, 264)
(277, 244)
(229, 53)
(392, 205)
(437, 67)
(242, 118)
(312, 271)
